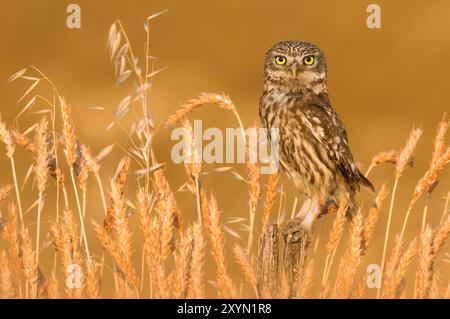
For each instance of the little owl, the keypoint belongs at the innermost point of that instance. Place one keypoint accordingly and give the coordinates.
(312, 141)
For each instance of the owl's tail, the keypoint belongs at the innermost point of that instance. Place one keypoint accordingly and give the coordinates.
(352, 205)
(365, 182)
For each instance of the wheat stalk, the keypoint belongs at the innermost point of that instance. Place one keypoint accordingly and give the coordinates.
(71, 153)
(41, 171)
(11, 234)
(92, 280)
(441, 234)
(53, 287)
(384, 157)
(245, 265)
(121, 247)
(8, 288)
(216, 239)
(254, 182)
(168, 210)
(271, 194)
(397, 271)
(334, 239)
(424, 274)
(373, 215)
(221, 100)
(436, 159)
(400, 168)
(427, 181)
(196, 288)
(29, 262)
(7, 139)
(351, 259)
(66, 240)
(4, 193)
(193, 164)
(183, 260)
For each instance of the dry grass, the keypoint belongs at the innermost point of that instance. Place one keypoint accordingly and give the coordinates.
(181, 257)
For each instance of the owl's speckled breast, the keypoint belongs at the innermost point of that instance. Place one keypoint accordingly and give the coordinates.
(303, 159)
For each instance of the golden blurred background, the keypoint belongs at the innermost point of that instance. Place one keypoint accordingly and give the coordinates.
(382, 82)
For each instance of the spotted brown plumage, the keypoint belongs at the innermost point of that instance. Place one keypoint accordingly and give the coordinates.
(313, 145)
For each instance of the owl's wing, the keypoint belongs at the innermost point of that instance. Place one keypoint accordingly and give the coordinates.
(326, 126)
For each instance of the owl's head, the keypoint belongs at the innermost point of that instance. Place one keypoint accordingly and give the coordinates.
(295, 65)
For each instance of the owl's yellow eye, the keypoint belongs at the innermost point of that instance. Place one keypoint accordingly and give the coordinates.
(308, 60)
(280, 60)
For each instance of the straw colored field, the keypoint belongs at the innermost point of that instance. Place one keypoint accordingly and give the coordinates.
(111, 215)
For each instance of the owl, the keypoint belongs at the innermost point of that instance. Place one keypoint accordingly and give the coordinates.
(312, 143)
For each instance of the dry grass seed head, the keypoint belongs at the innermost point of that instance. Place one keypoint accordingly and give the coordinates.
(373, 215)
(4, 193)
(245, 265)
(441, 234)
(196, 288)
(167, 208)
(155, 260)
(424, 274)
(407, 152)
(429, 180)
(29, 262)
(70, 139)
(216, 237)
(393, 287)
(92, 279)
(337, 228)
(393, 258)
(351, 259)
(90, 161)
(8, 287)
(83, 173)
(53, 287)
(253, 168)
(121, 233)
(271, 194)
(41, 161)
(12, 236)
(391, 157)
(118, 182)
(66, 240)
(143, 206)
(183, 260)
(193, 164)
(439, 140)
(7, 139)
(204, 98)
(124, 268)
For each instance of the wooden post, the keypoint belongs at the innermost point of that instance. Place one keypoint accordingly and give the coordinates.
(268, 260)
(296, 245)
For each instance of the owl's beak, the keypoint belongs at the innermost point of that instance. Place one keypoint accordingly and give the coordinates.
(294, 70)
